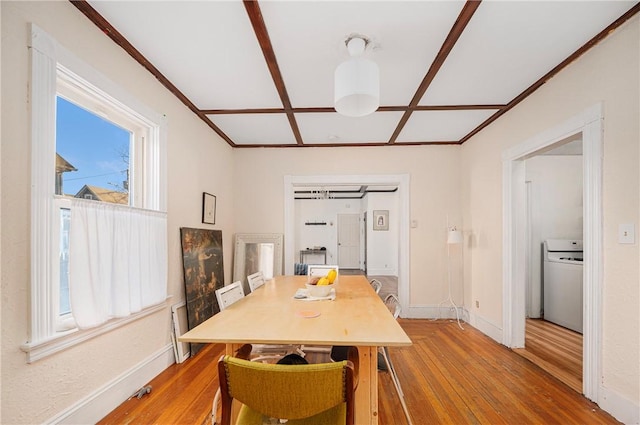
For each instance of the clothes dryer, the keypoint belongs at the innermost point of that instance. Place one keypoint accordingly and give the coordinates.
(562, 283)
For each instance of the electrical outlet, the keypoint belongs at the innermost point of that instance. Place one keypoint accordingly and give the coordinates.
(477, 304)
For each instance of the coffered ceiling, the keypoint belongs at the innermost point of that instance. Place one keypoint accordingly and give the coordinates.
(261, 73)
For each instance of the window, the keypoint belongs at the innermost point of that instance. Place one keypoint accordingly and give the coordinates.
(135, 151)
(100, 150)
(92, 152)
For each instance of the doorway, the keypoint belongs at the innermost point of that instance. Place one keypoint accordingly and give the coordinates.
(364, 242)
(590, 124)
(554, 208)
(401, 181)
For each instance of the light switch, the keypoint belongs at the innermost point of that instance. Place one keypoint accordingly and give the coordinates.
(414, 224)
(627, 233)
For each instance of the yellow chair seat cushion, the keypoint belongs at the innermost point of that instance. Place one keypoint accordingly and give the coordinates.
(335, 415)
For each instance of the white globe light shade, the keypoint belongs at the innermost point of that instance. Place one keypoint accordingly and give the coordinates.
(357, 87)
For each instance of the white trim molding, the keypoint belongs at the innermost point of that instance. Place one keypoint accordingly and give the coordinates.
(485, 326)
(55, 69)
(621, 408)
(100, 402)
(63, 340)
(43, 127)
(589, 123)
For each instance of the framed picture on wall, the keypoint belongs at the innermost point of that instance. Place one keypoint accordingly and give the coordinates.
(380, 219)
(208, 208)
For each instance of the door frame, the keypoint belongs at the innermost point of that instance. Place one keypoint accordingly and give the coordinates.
(402, 181)
(590, 124)
(364, 242)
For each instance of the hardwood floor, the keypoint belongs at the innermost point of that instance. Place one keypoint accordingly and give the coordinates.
(448, 375)
(556, 350)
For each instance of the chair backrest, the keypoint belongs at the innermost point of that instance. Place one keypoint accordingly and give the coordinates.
(229, 294)
(320, 269)
(255, 280)
(393, 304)
(300, 269)
(288, 391)
(376, 284)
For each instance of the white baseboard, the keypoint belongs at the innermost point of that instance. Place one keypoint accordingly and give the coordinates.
(419, 312)
(492, 330)
(434, 312)
(621, 408)
(382, 272)
(445, 312)
(98, 404)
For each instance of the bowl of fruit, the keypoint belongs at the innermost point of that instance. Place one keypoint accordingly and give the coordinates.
(320, 286)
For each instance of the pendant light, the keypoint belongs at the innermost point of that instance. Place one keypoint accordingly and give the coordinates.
(357, 82)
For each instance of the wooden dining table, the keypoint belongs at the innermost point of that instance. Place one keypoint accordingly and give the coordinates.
(271, 315)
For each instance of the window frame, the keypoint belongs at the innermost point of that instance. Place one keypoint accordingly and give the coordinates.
(55, 70)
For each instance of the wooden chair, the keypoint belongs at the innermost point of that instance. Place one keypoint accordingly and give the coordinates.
(315, 270)
(393, 304)
(226, 296)
(300, 269)
(304, 394)
(255, 280)
(384, 360)
(229, 294)
(320, 269)
(268, 351)
(376, 284)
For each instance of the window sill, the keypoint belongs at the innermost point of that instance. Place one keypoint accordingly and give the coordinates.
(63, 340)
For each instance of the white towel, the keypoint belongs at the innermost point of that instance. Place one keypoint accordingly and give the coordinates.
(302, 294)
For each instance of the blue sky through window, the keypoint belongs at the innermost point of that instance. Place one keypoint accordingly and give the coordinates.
(93, 145)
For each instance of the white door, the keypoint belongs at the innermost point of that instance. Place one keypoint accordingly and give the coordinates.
(349, 241)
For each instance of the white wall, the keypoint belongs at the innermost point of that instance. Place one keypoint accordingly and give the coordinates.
(555, 206)
(321, 210)
(463, 184)
(608, 73)
(382, 245)
(434, 194)
(73, 382)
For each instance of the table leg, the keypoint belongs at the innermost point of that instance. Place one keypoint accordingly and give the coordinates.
(366, 403)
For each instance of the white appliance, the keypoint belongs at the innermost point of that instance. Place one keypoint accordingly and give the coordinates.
(562, 283)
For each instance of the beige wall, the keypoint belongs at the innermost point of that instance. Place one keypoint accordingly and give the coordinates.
(198, 161)
(445, 181)
(434, 171)
(608, 73)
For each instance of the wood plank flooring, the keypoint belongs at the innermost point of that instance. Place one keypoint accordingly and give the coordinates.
(556, 350)
(449, 376)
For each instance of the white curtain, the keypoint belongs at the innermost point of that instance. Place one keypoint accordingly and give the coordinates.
(118, 261)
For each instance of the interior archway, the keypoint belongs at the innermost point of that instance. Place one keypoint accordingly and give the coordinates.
(400, 180)
(589, 123)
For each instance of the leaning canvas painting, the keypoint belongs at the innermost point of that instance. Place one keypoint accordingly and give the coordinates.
(203, 274)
